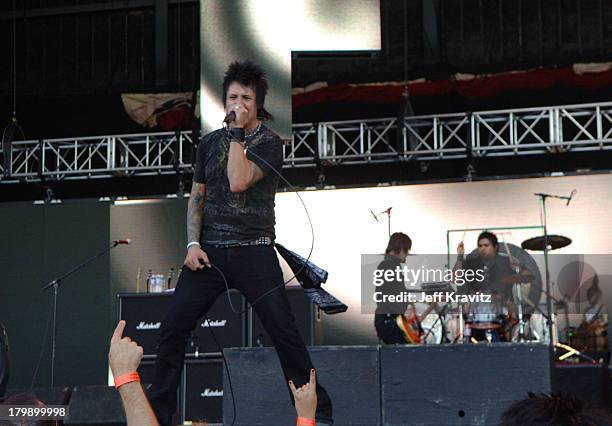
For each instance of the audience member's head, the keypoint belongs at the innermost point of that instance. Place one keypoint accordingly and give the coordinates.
(26, 399)
(555, 409)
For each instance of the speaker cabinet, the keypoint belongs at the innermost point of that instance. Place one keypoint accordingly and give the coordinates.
(588, 382)
(95, 405)
(48, 396)
(350, 375)
(203, 390)
(146, 371)
(144, 313)
(394, 385)
(304, 312)
(459, 384)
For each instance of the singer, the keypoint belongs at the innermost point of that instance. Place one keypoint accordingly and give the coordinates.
(230, 224)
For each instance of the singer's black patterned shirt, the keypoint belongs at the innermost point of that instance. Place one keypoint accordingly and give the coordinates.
(230, 218)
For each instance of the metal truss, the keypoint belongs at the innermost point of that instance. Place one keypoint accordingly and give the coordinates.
(98, 157)
(531, 131)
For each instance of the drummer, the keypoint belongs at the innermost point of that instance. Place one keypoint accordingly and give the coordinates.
(496, 269)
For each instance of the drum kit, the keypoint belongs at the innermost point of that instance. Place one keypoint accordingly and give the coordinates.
(491, 321)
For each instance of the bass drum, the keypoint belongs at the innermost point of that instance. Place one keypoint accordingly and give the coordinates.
(431, 325)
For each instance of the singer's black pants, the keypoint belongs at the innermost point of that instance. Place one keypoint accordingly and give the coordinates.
(253, 271)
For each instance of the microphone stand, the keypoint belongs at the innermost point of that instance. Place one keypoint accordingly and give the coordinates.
(440, 313)
(388, 213)
(551, 316)
(55, 284)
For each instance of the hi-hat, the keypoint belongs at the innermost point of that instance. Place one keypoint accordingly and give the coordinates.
(554, 242)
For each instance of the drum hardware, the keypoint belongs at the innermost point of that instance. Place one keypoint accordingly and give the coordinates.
(554, 242)
(519, 297)
(429, 330)
(440, 315)
(571, 352)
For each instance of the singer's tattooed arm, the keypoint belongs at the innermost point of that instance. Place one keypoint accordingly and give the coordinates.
(195, 210)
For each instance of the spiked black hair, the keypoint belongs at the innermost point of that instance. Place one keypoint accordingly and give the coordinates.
(251, 75)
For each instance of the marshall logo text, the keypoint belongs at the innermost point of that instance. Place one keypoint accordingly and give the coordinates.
(214, 323)
(211, 393)
(148, 325)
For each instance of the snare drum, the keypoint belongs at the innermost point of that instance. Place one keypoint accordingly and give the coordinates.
(484, 316)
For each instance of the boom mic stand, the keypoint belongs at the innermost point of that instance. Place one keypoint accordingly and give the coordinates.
(551, 316)
(55, 284)
(388, 213)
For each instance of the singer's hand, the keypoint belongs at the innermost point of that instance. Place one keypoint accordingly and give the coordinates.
(196, 258)
(241, 115)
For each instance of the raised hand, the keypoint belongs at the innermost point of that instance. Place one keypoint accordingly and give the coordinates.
(461, 249)
(306, 397)
(124, 355)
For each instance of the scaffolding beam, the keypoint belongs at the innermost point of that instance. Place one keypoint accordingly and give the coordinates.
(529, 131)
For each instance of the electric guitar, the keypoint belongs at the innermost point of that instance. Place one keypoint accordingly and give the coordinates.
(410, 323)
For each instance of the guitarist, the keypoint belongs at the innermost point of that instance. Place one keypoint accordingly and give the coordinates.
(387, 330)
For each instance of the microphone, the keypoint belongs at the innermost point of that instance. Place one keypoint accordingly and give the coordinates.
(570, 197)
(231, 116)
(375, 218)
(125, 241)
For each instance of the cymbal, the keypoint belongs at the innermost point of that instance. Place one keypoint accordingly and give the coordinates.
(554, 242)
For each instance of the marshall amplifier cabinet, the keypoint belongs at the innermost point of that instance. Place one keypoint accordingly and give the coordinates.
(304, 312)
(144, 313)
(146, 371)
(202, 390)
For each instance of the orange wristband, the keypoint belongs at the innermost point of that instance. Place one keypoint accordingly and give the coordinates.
(126, 378)
(303, 421)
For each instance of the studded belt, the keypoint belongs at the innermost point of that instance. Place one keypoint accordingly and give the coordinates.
(261, 241)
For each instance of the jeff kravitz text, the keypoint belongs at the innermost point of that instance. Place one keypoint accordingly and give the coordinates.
(437, 297)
